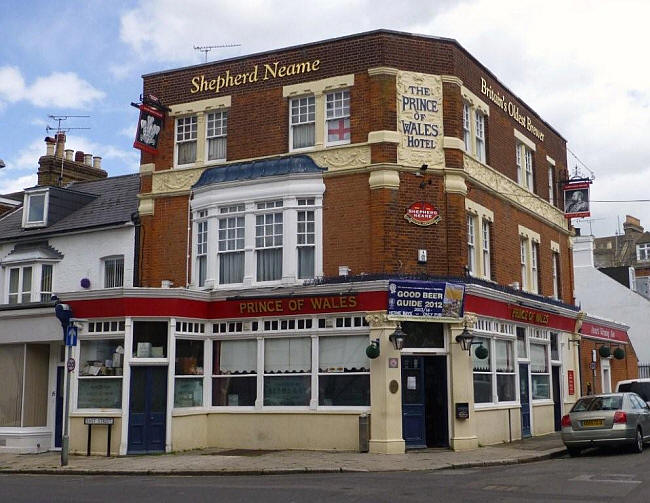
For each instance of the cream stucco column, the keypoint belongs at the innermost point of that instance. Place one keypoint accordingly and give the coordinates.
(463, 431)
(386, 400)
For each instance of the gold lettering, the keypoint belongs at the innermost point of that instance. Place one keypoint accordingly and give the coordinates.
(252, 77)
(315, 65)
(195, 85)
(352, 301)
(272, 70)
(238, 78)
(212, 83)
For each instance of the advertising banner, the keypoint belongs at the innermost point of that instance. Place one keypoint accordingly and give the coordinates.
(425, 299)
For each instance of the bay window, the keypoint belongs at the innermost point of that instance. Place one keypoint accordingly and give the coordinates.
(202, 247)
(268, 242)
(231, 244)
(20, 285)
(306, 234)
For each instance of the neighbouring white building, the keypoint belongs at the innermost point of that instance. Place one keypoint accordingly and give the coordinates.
(75, 238)
(601, 295)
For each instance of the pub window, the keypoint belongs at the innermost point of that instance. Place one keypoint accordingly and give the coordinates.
(234, 373)
(188, 383)
(268, 241)
(287, 371)
(525, 169)
(202, 246)
(337, 115)
(186, 135)
(344, 371)
(231, 244)
(306, 234)
(303, 122)
(101, 364)
(217, 135)
(150, 339)
(471, 245)
(539, 373)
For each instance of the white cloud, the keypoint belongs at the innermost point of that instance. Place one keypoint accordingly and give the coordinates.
(62, 90)
(9, 185)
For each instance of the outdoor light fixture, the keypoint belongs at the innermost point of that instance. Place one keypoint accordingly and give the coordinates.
(397, 338)
(466, 340)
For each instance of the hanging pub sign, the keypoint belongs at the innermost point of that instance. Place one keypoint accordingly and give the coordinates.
(425, 299)
(576, 199)
(422, 213)
(149, 126)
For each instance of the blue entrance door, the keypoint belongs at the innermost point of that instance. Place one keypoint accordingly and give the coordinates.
(524, 399)
(58, 410)
(147, 409)
(413, 402)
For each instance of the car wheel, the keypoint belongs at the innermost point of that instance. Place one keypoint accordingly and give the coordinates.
(574, 452)
(638, 442)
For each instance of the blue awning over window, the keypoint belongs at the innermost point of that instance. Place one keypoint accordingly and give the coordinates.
(258, 169)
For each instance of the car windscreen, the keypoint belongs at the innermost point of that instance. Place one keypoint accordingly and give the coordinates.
(640, 388)
(598, 403)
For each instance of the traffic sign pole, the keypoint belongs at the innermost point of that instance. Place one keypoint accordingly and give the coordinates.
(70, 336)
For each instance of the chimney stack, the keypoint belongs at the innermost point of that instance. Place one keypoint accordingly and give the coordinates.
(79, 156)
(60, 144)
(68, 154)
(88, 159)
(49, 145)
(97, 162)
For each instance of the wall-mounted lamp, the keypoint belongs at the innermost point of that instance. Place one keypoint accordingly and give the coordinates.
(574, 341)
(466, 340)
(372, 351)
(397, 338)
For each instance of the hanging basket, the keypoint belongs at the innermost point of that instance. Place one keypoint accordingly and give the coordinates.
(372, 351)
(619, 353)
(481, 352)
(604, 351)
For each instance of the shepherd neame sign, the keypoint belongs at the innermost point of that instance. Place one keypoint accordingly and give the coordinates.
(256, 74)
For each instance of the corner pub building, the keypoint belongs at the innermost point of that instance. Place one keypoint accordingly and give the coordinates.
(303, 206)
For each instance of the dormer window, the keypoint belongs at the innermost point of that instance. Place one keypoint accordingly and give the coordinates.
(35, 209)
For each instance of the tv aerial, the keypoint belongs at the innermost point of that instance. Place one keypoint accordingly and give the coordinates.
(205, 49)
(59, 119)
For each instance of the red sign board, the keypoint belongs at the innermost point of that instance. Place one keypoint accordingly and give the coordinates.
(576, 200)
(572, 382)
(422, 213)
(601, 332)
(150, 125)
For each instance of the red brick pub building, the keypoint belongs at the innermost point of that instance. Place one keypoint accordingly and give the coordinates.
(301, 208)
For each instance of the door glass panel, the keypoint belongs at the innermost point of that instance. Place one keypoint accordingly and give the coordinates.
(411, 380)
(158, 389)
(137, 398)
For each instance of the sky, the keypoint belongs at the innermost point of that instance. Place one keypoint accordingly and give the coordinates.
(581, 65)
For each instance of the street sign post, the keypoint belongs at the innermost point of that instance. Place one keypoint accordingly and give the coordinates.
(70, 364)
(71, 336)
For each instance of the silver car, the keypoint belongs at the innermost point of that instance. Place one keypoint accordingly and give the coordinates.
(611, 419)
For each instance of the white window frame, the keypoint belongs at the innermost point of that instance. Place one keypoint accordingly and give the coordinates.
(305, 238)
(112, 259)
(230, 214)
(534, 340)
(467, 128)
(314, 333)
(201, 247)
(195, 139)
(523, 254)
(337, 113)
(551, 185)
(471, 244)
(479, 128)
(20, 293)
(269, 214)
(45, 193)
(555, 259)
(529, 246)
(485, 244)
(534, 267)
(493, 331)
(300, 122)
(643, 252)
(220, 132)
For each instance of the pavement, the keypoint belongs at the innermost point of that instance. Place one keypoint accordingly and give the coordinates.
(250, 462)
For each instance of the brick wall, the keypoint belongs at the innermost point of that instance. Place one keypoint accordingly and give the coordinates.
(620, 369)
(365, 229)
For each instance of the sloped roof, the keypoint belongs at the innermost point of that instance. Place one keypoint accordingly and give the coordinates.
(258, 169)
(114, 201)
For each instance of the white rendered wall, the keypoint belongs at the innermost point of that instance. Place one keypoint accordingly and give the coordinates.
(600, 295)
(82, 254)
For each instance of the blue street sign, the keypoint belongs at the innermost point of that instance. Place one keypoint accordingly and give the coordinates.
(71, 336)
